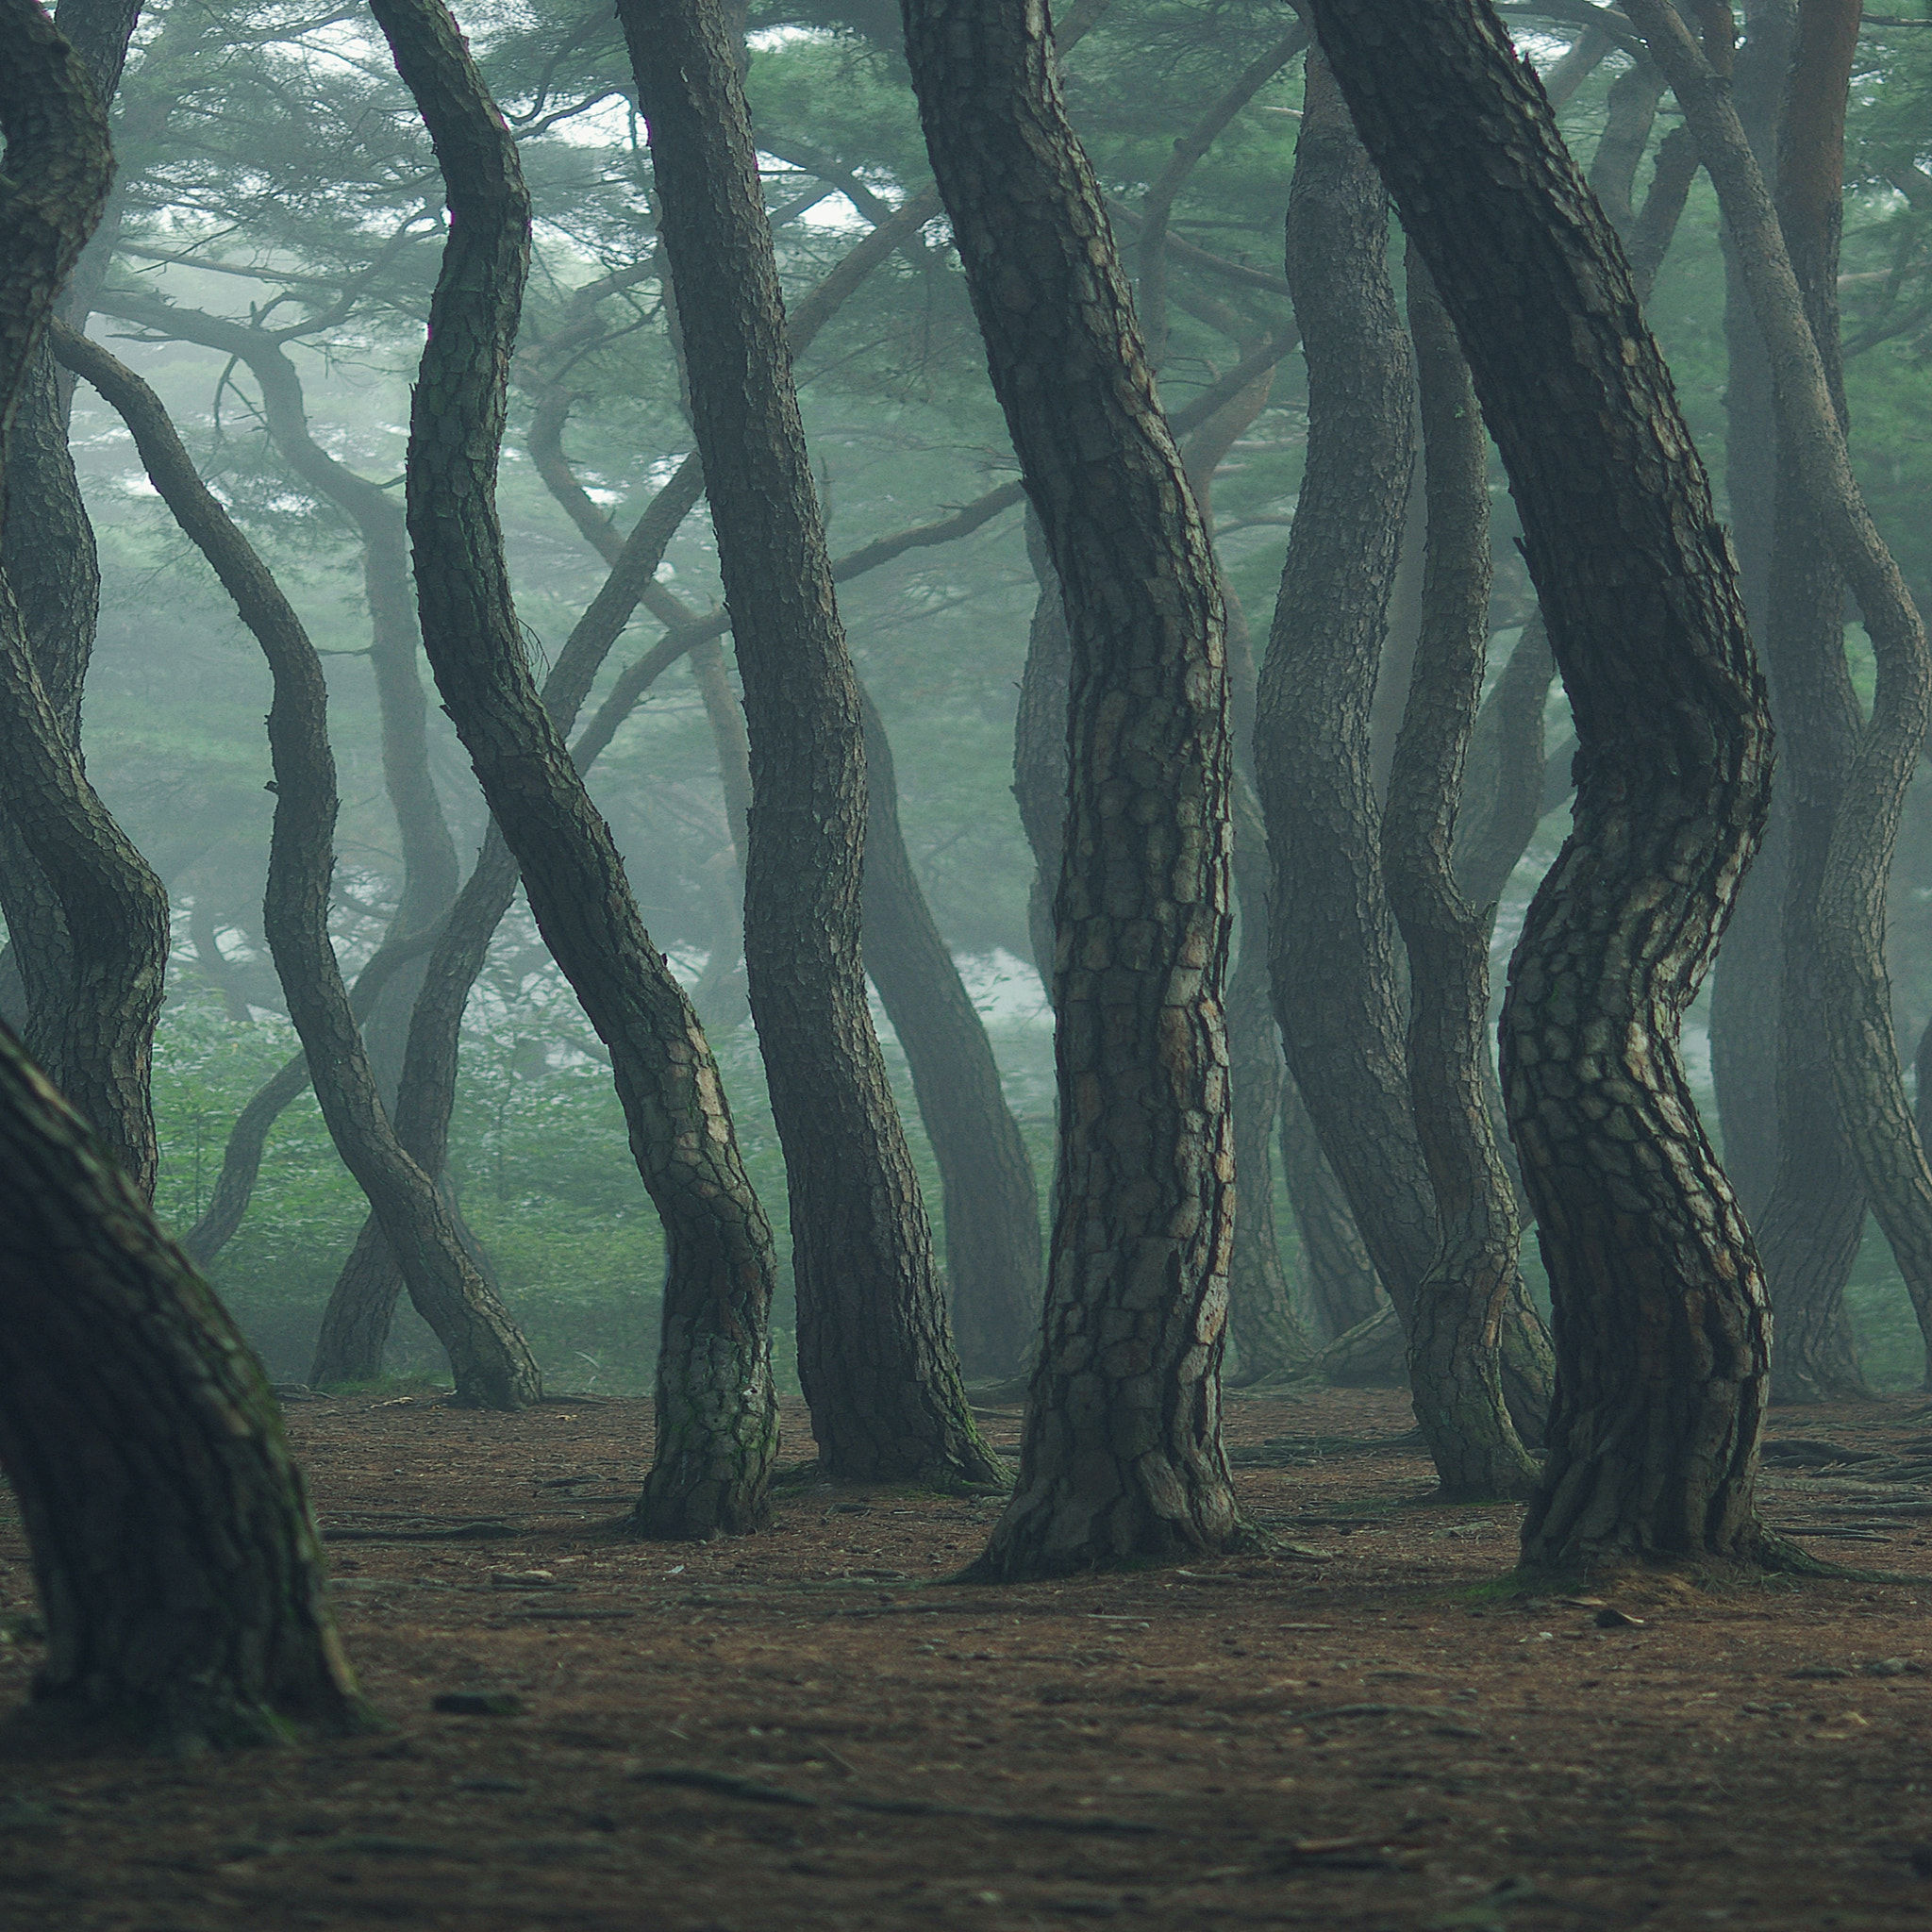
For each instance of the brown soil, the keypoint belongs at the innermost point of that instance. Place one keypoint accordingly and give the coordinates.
(1342, 1732)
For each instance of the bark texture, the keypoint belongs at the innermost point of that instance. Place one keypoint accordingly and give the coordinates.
(875, 1348)
(1874, 1111)
(1454, 1334)
(177, 1564)
(717, 1427)
(47, 553)
(96, 1030)
(355, 1326)
(1661, 1318)
(492, 1365)
(1122, 1454)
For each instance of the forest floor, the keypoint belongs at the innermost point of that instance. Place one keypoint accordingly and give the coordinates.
(811, 1729)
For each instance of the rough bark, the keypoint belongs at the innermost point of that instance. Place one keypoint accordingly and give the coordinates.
(1661, 1330)
(1812, 1227)
(1121, 1456)
(98, 1035)
(717, 1430)
(991, 1201)
(991, 1204)
(1334, 941)
(356, 1326)
(490, 1364)
(1454, 1337)
(177, 1564)
(874, 1349)
(48, 554)
(1873, 1107)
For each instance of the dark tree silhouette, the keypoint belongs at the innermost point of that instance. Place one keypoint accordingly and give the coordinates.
(717, 1431)
(1661, 1331)
(1122, 1454)
(874, 1347)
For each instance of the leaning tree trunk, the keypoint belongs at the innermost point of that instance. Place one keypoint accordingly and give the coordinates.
(1455, 1332)
(100, 1035)
(48, 554)
(1121, 1456)
(874, 1347)
(717, 1421)
(1334, 956)
(1873, 1107)
(355, 1326)
(178, 1565)
(492, 1365)
(1661, 1320)
(1812, 1228)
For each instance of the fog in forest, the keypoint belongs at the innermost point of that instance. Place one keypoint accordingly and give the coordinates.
(314, 223)
(1102, 836)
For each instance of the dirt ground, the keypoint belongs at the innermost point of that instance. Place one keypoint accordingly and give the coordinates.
(809, 1729)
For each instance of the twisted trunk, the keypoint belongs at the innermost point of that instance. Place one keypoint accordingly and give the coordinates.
(874, 1349)
(1866, 1075)
(1122, 1454)
(177, 1566)
(94, 1021)
(1661, 1327)
(492, 1365)
(1334, 956)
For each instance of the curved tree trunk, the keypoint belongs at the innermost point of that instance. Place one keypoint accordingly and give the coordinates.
(1661, 1318)
(717, 1424)
(1454, 1333)
(492, 1365)
(1334, 957)
(1122, 1454)
(177, 1564)
(98, 1031)
(48, 555)
(875, 1350)
(179, 1572)
(1873, 1107)
(1812, 1225)
(355, 1326)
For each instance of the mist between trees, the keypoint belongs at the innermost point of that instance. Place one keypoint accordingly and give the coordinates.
(266, 263)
